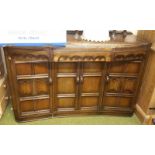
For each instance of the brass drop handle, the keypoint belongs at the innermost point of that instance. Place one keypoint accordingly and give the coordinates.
(6, 98)
(81, 79)
(77, 79)
(107, 78)
(50, 80)
(4, 86)
(9, 58)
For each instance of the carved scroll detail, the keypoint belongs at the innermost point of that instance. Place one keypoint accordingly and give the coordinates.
(31, 57)
(81, 58)
(129, 57)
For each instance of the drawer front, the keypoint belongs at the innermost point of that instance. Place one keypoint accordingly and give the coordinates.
(82, 57)
(3, 89)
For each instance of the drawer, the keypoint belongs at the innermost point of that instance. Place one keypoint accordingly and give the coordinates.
(3, 104)
(3, 88)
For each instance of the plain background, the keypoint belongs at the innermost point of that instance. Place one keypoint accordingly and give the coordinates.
(77, 14)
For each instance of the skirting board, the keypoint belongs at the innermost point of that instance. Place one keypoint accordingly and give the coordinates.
(144, 118)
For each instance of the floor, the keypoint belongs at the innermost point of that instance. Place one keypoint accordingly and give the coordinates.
(8, 119)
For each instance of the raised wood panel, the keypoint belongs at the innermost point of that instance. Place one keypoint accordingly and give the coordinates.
(125, 102)
(31, 68)
(24, 69)
(33, 87)
(25, 88)
(89, 101)
(92, 67)
(34, 105)
(27, 106)
(66, 85)
(129, 85)
(113, 101)
(42, 104)
(115, 67)
(130, 67)
(91, 84)
(41, 68)
(121, 85)
(67, 67)
(66, 102)
(41, 86)
(113, 85)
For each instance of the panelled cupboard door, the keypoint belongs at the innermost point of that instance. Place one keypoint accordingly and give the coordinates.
(66, 86)
(90, 85)
(121, 84)
(31, 83)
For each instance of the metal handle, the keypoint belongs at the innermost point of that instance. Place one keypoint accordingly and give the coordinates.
(9, 58)
(50, 80)
(77, 79)
(4, 86)
(6, 98)
(107, 78)
(81, 79)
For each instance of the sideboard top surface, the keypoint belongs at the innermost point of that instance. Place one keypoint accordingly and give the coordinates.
(91, 46)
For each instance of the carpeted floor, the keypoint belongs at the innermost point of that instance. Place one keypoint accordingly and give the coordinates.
(8, 119)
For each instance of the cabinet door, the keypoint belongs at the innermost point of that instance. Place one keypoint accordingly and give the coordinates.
(91, 85)
(66, 86)
(31, 77)
(121, 84)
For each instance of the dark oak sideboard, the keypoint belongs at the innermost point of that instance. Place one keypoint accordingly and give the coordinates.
(48, 81)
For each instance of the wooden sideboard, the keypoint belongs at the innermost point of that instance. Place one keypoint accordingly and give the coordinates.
(48, 81)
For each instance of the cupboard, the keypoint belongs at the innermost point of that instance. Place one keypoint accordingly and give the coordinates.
(49, 81)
